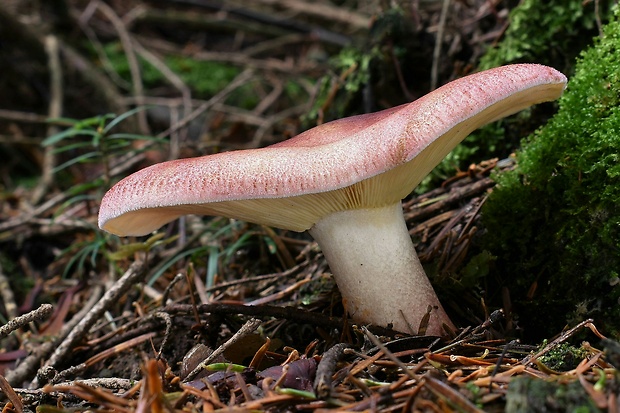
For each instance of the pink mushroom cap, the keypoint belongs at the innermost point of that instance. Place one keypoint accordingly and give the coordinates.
(362, 161)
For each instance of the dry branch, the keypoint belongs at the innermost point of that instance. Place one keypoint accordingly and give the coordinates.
(132, 276)
(54, 111)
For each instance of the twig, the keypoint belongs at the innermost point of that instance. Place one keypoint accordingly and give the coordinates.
(284, 114)
(452, 396)
(132, 276)
(267, 101)
(246, 329)
(415, 212)
(375, 341)
(240, 80)
(28, 366)
(40, 313)
(104, 87)
(177, 278)
(325, 370)
(287, 313)
(271, 21)
(78, 369)
(8, 298)
(326, 11)
(597, 15)
(280, 294)
(30, 39)
(107, 66)
(15, 400)
(168, 321)
(438, 41)
(254, 279)
(239, 59)
(176, 81)
(111, 383)
(27, 216)
(399, 75)
(17, 116)
(562, 338)
(281, 42)
(134, 67)
(54, 111)
(175, 142)
(500, 360)
(21, 140)
(126, 162)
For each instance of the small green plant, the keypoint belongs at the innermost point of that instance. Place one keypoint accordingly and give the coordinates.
(554, 222)
(220, 241)
(91, 141)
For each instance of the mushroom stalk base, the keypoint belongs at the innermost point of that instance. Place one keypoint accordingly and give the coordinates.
(377, 270)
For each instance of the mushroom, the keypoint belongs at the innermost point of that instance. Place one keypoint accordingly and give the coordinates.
(344, 182)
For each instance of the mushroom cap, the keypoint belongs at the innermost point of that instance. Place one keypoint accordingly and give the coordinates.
(363, 161)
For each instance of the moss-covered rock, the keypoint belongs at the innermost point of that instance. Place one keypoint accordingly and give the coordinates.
(554, 221)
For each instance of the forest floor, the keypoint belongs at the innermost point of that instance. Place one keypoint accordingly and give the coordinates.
(215, 314)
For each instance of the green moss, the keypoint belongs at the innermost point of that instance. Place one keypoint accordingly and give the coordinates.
(531, 395)
(550, 32)
(206, 78)
(564, 357)
(554, 221)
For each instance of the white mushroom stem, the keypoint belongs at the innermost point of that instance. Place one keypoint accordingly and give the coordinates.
(377, 270)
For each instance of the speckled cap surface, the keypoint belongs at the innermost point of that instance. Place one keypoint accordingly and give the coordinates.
(357, 162)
